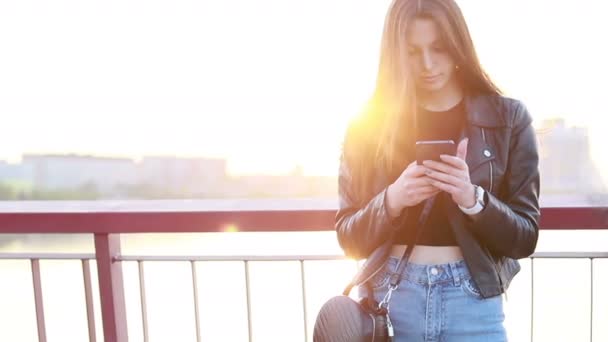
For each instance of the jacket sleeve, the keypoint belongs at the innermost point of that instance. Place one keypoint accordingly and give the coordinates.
(361, 225)
(510, 226)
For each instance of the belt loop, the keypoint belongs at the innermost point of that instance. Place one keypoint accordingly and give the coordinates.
(455, 273)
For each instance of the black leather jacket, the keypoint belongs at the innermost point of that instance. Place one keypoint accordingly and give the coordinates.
(503, 158)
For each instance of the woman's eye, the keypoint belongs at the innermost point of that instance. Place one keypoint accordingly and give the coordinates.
(439, 48)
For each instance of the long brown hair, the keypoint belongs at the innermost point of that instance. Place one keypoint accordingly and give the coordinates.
(383, 135)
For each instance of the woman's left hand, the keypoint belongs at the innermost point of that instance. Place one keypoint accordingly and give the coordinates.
(452, 176)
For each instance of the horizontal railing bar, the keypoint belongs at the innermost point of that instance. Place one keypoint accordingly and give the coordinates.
(570, 255)
(229, 257)
(538, 255)
(75, 256)
(169, 205)
(125, 220)
(46, 256)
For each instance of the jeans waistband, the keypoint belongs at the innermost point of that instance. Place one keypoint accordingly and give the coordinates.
(452, 272)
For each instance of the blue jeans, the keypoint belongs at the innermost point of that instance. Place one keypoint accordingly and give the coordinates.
(439, 303)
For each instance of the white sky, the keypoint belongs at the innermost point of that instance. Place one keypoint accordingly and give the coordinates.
(263, 83)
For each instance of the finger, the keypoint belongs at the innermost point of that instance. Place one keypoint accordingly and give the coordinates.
(445, 178)
(426, 188)
(410, 171)
(454, 161)
(427, 182)
(461, 150)
(412, 186)
(442, 167)
(416, 171)
(420, 182)
(409, 166)
(428, 193)
(445, 187)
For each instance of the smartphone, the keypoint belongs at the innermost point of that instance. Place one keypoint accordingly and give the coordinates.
(432, 149)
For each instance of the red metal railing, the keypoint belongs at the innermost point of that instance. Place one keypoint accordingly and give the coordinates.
(107, 222)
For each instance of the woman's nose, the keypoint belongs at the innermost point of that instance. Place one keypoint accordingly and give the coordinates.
(427, 60)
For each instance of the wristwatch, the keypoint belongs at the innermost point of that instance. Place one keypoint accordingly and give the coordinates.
(480, 202)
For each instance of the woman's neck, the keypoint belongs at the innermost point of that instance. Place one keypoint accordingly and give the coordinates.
(443, 99)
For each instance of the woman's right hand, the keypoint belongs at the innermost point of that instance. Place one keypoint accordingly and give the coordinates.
(411, 188)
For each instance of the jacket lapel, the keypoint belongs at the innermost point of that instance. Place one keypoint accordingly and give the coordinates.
(478, 150)
(481, 113)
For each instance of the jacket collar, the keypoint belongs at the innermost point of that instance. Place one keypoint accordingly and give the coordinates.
(483, 111)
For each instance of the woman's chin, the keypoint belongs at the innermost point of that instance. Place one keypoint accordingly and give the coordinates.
(431, 87)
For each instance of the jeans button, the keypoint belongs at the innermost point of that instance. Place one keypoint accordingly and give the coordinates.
(434, 271)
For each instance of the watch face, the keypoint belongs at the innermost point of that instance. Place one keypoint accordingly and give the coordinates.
(480, 195)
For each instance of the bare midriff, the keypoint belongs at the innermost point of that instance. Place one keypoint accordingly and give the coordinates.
(429, 255)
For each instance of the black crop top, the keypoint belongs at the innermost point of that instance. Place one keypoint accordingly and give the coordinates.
(437, 231)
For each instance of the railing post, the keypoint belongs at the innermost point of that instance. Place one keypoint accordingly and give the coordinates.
(111, 290)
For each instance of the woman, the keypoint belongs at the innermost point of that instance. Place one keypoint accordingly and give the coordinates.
(430, 86)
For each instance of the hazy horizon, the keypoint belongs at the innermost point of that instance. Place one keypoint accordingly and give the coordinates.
(252, 82)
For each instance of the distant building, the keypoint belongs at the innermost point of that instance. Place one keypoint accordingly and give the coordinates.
(565, 160)
(189, 176)
(567, 174)
(294, 185)
(11, 171)
(69, 171)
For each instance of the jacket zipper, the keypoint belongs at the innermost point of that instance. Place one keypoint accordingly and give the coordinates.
(483, 134)
(496, 266)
